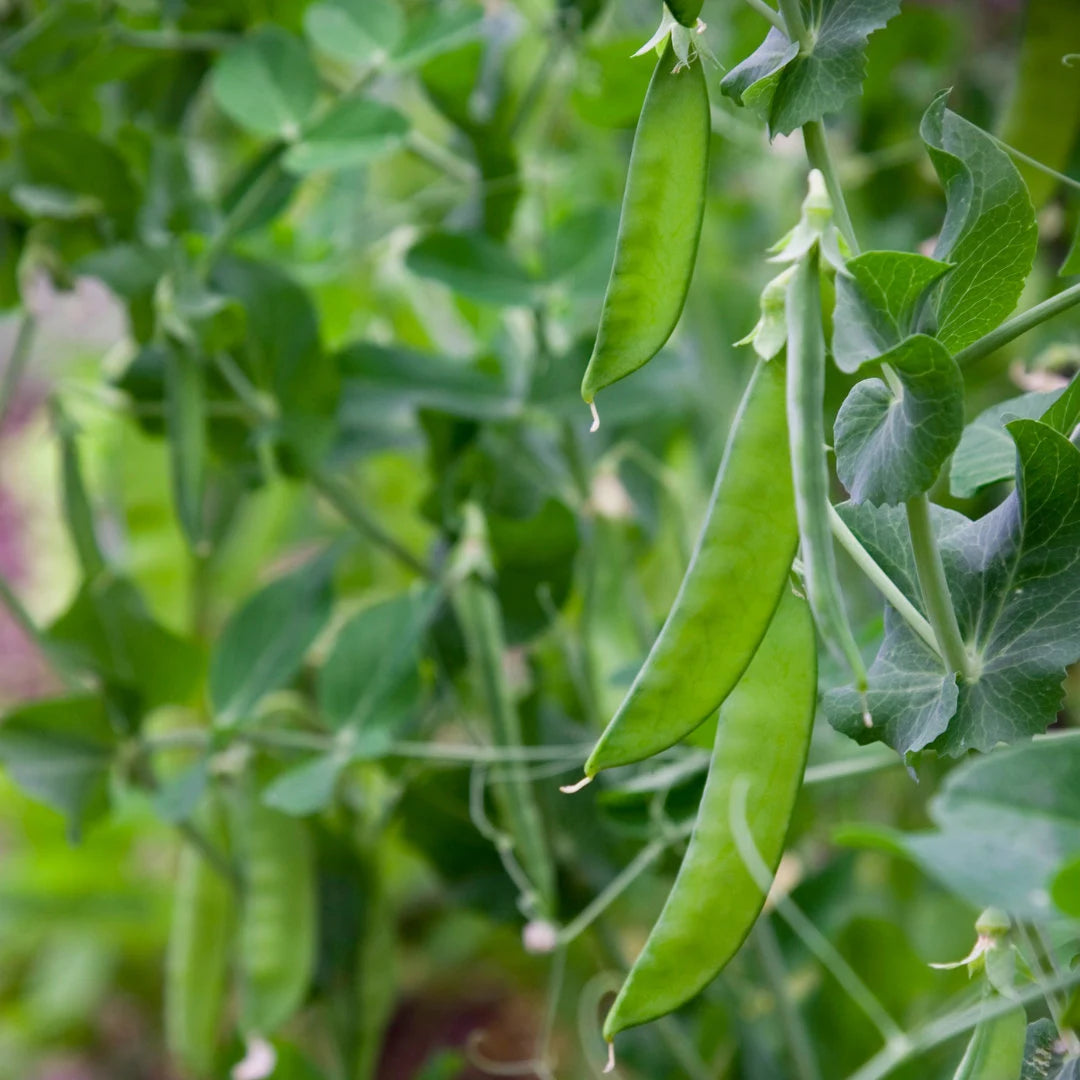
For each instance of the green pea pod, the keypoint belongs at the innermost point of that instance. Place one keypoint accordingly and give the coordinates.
(660, 225)
(805, 408)
(185, 419)
(277, 918)
(685, 11)
(1030, 124)
(197, 958)
(996, 1050)
(763, 737)
(736, 575)
(478, 614)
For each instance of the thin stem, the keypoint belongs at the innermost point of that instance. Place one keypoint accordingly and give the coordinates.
(798, 1038)
(804, 929)
(345, 502)
(936, 1032)
(1034, 962)
(881, 580)
(439, 157)
(30, 628)
(767, 12)
(1063, 178)
(174, 40)
(16, 365)
(935, 589)
(795, 25)
(865, 763)
(194, 836)
(240, 214)
(817, 150)
(1019, 324)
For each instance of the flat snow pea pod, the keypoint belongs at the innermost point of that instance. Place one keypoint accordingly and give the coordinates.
(731, 587)
(685, 11)
(805, 407)
(196, 962)
(278, 911)
(762, 737)
(660, 225)
(480, 618)
(996, 1050)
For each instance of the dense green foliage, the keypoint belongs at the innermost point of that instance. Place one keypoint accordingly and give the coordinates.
(316, 585)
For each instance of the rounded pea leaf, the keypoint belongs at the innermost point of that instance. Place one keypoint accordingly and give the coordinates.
(1065, 888)
(352, 133)
(267, 83)
(355, 31)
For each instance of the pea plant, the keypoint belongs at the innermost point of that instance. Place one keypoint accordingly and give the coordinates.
(357, 587)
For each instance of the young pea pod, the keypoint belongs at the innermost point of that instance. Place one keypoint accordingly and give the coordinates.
(805, 404)
(478, 614)
(660, 225)
(197, 958)
(185, 419)
(277, 923)
(685, 11)
(996, 1050)
(762, 738)
(735, 578)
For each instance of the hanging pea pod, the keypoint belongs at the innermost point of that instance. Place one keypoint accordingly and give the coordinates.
(732, 585)
(277, 918)
(996, 1049)
(805, 405)
(660, 224)
(762, 738)
(198, 952)
(185, 420)
(478, 614)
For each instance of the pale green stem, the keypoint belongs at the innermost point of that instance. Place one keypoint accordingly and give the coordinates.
(1019, 324)
(817, 150)
(16, 365)
(439, 157)
(240, 214)
(795, 25)
(935, 589)
(881, 580)
(767, 12)
(1061, 177)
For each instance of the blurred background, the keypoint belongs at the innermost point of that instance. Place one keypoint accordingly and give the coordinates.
(410, 308)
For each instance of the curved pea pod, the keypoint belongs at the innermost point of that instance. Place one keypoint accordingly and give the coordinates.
(996, 1050)
(196, 962)
(685, 11)
(735, 578)
(277, 945)
(762, 738)
(660, 224)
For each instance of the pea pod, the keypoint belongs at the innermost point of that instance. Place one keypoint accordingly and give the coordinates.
(685, 11)
(996, 1050)
(736, 575)
(478, 614)
(277, 921)
(805, 404)
(763, 736)
(660, 224)
(197, 958)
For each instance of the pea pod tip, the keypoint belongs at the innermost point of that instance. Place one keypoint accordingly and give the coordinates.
(610, 1066)
(595, 418)
(572, 789)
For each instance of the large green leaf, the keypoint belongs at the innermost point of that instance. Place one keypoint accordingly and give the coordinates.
(877, 303)
(787, 87)
(890, 449)
(60, 753)
(353, 133)
(263, 645)
(473, 265)
(355, 31)
(267, 83)
(1006, 823)
(989, 232)
(1014, 576)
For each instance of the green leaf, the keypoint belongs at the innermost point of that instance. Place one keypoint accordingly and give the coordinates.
(306, 789)
(1071, 266)
(1014, 576)
(353, 133)
(267, 83)
(437, 32)
(877, 302)
(107, 630)
(1005, 823)
(60, 753)
(889, 450)
(1065, 888)
(263, 645)
(474, 266)
(371, 677)
(179, 796)
(1040, 1054)
(788, 88)
(989, 232)
(355, 31)
(986, 454)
